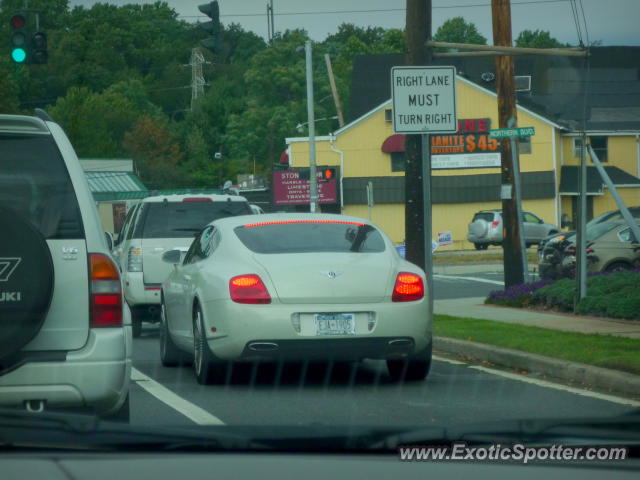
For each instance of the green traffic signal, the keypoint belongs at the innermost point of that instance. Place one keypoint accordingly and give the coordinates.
(19, 38)
(18, 55)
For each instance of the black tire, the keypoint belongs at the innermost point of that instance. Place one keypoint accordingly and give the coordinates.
(136, 324)
(170, 354)
(27, 279)
(122, 415)
(411, 369)
(206, 367)
(478, 246)
(485, 246)
(618, 267)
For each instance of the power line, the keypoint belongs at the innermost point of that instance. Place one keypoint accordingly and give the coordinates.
(376, 10)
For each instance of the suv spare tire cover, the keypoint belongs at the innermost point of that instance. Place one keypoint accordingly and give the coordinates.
(26, 281)
(479, 228)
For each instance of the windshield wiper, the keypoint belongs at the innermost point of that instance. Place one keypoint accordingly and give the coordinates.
(20, 429)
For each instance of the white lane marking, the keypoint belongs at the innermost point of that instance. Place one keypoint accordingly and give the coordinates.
(447, 360)
(557, 386)
(473, 279)
(186, 408)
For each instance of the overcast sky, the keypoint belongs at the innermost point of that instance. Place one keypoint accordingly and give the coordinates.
(614, 22)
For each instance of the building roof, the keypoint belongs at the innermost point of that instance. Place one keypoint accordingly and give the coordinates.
(106, 186)
(569, 176)
(107, 164)
(609, 80)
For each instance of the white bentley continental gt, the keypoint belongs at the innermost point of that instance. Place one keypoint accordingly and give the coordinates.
(294, 287)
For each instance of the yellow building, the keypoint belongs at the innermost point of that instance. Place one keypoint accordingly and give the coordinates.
(366, 150)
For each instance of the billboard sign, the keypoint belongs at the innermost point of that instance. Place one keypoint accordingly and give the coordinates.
(290, 189)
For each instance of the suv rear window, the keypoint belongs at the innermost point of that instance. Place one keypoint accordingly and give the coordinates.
(184, 219)
(486, 216)
(35, 183)
(308, 236)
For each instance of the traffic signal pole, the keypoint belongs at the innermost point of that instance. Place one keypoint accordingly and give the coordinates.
(417, 177)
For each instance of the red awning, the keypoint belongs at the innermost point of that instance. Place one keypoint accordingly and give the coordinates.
(393, 144)
(284, 157)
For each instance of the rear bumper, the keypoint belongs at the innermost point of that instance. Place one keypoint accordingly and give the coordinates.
(137, 293)
(96, 376)
(329, 349)
(252, 332)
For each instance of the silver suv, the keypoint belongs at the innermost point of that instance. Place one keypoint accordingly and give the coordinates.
(158, 224)
(65, 335)
(486, 229)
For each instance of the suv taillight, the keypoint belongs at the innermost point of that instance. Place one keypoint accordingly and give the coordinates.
(105, 292)
(409, 287)
(134, 259)
(248, 289)
(495, 223)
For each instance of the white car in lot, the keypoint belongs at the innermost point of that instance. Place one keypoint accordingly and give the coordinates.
(155, 225)
(294, 287)
(65, 331)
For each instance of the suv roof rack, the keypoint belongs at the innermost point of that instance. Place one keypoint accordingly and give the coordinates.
(42, 115)
(23, 124)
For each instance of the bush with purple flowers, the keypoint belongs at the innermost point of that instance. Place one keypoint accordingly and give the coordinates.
(610, 294)
(517, 295)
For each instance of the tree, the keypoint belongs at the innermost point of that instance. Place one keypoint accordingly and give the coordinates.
(537, 39)
(456, 30)
(157, 154)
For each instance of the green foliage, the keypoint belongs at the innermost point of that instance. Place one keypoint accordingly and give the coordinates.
(118, 81)
(537, 39)
(457, 30)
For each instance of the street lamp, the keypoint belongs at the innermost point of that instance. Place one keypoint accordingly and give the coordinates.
(300, 126)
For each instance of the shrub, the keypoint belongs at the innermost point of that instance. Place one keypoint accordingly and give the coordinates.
(557, 295)
(517, 295)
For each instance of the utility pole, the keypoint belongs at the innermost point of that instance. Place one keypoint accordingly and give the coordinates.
(313, 179)
(334, 90)
(505, 88)
(418, 25)
(270, 26)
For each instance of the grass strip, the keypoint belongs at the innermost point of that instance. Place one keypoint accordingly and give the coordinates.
(607, 351)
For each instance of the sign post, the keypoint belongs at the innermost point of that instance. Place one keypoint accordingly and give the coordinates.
(424, 102)
(512, 133)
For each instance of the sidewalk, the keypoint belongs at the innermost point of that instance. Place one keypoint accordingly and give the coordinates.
(474, 308)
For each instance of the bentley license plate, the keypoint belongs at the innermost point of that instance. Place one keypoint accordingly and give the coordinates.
(335, 324)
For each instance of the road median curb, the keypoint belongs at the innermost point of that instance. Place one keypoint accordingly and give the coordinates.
(576, 373)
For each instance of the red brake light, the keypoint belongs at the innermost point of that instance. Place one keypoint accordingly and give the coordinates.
(248, 289)
(495, 223)
(282, 222)
(197, 199)
(105, 292)
(409, 287)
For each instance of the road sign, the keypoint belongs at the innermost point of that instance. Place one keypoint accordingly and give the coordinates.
(424, 100)
(512, 132)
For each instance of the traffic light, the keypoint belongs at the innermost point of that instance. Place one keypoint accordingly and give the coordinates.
(39, 48)
(19, 38)
(26, 47)
(211, 10)
(327, 173)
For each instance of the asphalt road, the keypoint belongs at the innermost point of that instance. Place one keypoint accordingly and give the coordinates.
(473, 284)
(454, 393)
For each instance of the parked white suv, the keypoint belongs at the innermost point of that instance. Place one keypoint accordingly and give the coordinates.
(158, 224)
(65, 334)
(486, 229)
